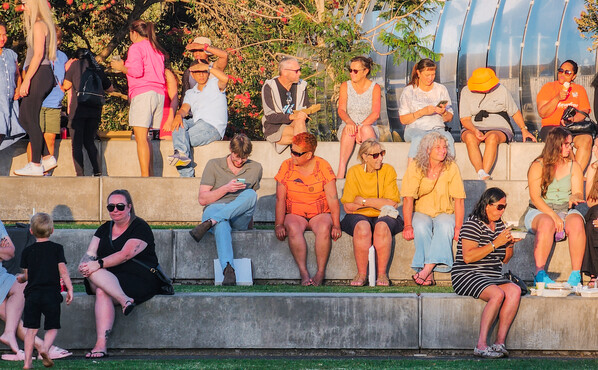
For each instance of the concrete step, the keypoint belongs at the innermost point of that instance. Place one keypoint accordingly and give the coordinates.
(119, 158)
(185, 260)
(163, 199)
(329, 321)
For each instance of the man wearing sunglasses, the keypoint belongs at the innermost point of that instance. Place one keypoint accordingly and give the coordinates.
(282, 99)
(207, 102)
(201, 48)
(228, 192)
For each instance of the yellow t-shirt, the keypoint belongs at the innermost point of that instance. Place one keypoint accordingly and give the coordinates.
(429, 199)
(379, 184)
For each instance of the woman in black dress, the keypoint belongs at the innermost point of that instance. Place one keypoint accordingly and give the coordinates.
(484, 245)
(109, 271)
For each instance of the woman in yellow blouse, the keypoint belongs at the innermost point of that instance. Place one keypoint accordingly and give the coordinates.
(369, 188)
(432, 187)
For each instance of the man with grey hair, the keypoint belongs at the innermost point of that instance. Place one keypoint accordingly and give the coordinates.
(283, 98)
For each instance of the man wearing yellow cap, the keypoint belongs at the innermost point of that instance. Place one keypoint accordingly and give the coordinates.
(486, 108)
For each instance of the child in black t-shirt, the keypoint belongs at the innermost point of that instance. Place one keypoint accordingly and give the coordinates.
(43, 265)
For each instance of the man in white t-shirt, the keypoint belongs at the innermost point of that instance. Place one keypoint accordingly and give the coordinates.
(207, 102)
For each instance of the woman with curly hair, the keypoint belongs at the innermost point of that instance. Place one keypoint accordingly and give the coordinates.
(555, 183)
(433, 207)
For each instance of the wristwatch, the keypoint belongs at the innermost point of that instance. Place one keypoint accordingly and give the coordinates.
(101, 262)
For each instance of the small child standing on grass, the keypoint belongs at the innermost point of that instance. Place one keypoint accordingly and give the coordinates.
(43, 265)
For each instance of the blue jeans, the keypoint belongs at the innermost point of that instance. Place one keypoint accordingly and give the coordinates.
(234, 215)
(190, 135)
(433, 239)
(415, 135)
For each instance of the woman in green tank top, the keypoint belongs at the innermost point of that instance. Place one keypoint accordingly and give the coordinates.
(555, 182)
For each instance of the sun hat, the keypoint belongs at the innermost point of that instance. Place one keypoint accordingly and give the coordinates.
(482, 80)
(199, 43)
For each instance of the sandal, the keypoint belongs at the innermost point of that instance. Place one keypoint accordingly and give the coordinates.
(422, 282)
(383, 280)
(592, 282)
(358, 280)
(128, 307)
(96, 354)
(430, 280)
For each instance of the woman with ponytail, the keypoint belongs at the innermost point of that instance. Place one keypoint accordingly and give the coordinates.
(144, 68)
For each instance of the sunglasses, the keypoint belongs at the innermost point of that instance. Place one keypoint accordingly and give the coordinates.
(356, 71)
(297, 154)
(565, 71)
(569, 144)
(499, 207)
(376, 155)
(294, 70)
(120, 206)
(200, 50)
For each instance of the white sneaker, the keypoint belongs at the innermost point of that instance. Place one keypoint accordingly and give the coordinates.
(30, 169)
(49, 164)
(482, 175)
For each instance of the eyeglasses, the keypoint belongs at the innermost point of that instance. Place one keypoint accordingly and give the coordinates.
(297, 154)
(376, 155)
(565, 71)
(120, 206)
(356, 71)
(293, 70)
(569, 144)
(500, 207)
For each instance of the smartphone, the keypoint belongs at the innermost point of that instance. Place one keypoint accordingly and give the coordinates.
(242, 181)
(442, 102)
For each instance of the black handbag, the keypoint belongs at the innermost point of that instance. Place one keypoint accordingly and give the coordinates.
(515, 279)
(585, 127)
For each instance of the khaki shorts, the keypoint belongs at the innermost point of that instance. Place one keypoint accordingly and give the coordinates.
(49, 120)
(146, 110)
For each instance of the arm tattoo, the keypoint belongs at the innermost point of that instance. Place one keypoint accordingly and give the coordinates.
(87, 258)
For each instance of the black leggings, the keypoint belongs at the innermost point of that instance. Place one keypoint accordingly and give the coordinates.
(41, 85)
(83, 132)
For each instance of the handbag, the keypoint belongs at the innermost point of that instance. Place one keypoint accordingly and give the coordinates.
(166, 288)
(587, 126)
(515, 279)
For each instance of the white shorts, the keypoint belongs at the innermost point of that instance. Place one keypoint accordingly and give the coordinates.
(146, 110)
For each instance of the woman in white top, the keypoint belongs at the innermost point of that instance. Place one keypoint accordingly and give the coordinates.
(424, 107)
(359, 108)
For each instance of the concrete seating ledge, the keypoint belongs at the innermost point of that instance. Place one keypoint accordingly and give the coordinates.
(329, 321)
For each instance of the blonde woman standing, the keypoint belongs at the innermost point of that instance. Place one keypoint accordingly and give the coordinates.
(37, 82)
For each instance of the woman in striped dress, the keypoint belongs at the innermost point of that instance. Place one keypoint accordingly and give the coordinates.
(484, 245)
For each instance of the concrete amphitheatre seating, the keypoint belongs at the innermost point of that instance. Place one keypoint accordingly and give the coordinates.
(255, 321)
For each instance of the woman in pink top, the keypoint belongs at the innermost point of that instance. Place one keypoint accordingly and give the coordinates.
(144, 68)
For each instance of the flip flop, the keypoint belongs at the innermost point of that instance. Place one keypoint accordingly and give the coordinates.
(19, 356)
(383, 280)
(96, 354)
(56, 353)
(128, 307)
(418, 280)
(430, 280)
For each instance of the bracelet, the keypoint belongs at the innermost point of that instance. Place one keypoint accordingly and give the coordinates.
(493, 247)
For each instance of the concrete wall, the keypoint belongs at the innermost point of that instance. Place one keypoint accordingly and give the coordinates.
(119, 158)
(185, 260)
(329, 321)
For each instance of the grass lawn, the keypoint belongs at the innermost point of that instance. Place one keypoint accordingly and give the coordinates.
(356, 363)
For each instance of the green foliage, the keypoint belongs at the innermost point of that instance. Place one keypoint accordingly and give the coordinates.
(587, 23)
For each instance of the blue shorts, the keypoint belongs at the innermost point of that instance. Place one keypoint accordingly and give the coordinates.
(533, 212)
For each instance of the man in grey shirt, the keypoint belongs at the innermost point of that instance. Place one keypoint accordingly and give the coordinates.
(228, 192)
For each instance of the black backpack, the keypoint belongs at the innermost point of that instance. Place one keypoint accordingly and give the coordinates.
(91, 91)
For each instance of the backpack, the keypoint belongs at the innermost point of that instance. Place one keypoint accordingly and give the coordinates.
(91, 91)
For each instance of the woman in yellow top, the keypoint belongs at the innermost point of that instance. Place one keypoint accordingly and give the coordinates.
(432, 187)
(370, 187)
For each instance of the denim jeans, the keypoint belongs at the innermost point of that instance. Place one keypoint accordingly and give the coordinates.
(192, 134)
(234, 215)
(415, 135)
(433, 239)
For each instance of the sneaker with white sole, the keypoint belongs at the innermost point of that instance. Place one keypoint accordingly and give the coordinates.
(178, 159)
(49, 163)
(30, 169)
(500, 348)
(487, 353)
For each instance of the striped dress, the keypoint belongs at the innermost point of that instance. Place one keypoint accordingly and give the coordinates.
(472, 278)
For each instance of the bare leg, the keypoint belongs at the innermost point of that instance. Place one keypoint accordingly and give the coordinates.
(296, 226)
(544, 227)
(48, 340)
(362, 241)
(106, 281)
(382, 243)
(583, 146)
(492, 141)
(143, 150)
(473, 149)
(575, 230)
(29, 339)
(50, 142)
(321, 225)
(495, 297)
(295, 127)
(508, 310)
(347, 145)
(104, 313)
(14, 303)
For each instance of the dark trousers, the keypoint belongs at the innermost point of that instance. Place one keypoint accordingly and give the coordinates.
(41, 85)
(83, 132)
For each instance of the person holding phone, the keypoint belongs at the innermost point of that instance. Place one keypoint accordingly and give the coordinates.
(425, 106)
(485, 244)
(486, 108)
(228, 192)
